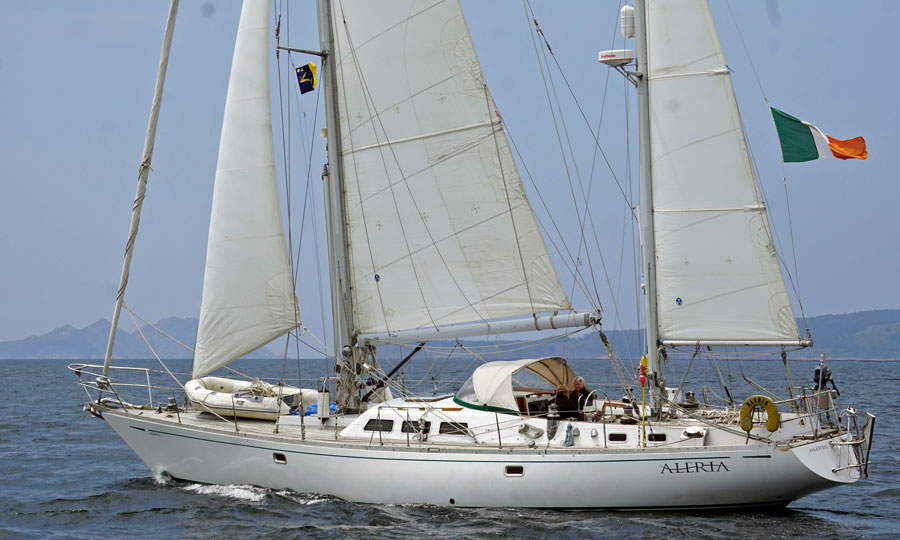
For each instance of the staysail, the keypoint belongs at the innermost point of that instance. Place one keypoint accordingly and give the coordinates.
(440, 230)
(248, 295)
(718, 276)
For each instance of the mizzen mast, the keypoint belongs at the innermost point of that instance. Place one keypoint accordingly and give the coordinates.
(648, 239)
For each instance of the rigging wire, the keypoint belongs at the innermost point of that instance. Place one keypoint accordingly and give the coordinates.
(588, 214)
(587, 122)
(576, 273)
(286, 157)
(309, 190)
(556, 125)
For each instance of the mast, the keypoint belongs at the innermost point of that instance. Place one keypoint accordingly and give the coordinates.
(648, 240)
(339, 272)
(144, 171)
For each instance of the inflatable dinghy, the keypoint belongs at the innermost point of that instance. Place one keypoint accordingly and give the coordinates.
(247, 399)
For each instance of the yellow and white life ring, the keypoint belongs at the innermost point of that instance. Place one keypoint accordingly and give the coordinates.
(773, 419)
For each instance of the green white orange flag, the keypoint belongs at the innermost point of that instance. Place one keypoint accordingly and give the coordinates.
(802, 141)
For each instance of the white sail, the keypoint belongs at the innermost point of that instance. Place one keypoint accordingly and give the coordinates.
(718, 276)
(439, 226)
(248, 295)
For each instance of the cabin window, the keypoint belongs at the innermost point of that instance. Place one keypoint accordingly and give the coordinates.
(515, 470)
(413, 427)
(656, 437)
(454, 428)
(376, 424)
(618, 437)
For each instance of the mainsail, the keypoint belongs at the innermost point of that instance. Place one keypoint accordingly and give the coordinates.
(439, 227)
(248, 294)
(718, 276)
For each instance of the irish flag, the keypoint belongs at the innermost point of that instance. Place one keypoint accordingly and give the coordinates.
(802, 141)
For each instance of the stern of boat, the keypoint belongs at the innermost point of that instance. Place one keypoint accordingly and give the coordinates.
(844, 457)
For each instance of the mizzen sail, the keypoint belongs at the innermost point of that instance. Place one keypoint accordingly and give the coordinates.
(248, 295)
(718, 276)
(439, 226)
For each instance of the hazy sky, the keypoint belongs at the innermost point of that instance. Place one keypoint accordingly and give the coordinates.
(76, 79)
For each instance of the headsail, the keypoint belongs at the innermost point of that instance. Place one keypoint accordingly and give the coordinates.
(439, 226)
(248, 294)
(718, 276)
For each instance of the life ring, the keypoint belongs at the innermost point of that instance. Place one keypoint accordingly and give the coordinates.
(773, 419)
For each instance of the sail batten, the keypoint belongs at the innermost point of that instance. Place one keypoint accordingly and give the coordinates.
(717, 273)
(248, 294)
(439, 228)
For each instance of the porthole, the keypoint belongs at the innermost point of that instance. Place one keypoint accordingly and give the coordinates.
(515, 470)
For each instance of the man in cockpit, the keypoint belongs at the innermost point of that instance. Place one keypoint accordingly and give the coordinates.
(565, 404)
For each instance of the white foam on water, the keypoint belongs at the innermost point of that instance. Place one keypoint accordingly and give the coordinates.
(240, 492)
(304, 499)
(162, 479)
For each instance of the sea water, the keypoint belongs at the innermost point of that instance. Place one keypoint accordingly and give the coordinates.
(65, 474)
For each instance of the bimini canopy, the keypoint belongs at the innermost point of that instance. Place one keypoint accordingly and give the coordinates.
(491, 386)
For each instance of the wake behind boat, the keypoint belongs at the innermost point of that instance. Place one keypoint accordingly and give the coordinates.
(431, 236)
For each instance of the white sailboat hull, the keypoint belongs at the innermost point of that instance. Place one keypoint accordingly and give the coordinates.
(626, 479)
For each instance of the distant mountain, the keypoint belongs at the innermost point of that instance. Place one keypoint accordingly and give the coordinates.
(89, 343)
(864, 335)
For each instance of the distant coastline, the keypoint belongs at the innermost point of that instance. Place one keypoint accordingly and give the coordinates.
(866, 335)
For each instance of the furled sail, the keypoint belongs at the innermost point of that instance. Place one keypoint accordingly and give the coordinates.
(248, 295)
(439, 226)
(718, 276)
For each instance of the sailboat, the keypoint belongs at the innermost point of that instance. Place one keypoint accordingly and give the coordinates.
(431, 236)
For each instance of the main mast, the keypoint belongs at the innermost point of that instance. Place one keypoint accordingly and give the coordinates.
(648, 240)
(345, 350)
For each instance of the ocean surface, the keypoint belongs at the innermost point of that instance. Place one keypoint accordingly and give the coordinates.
(65, 474)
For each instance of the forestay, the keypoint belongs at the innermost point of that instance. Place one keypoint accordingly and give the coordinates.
(718, 276)
(248, 294)
(439, 226)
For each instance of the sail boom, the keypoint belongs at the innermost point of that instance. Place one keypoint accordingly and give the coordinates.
(524, 324)
(737, 342)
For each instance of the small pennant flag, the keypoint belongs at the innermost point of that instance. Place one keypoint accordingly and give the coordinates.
(306, 77)
(802, 141)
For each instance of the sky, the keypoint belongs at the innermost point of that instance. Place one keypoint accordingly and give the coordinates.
(76, 81)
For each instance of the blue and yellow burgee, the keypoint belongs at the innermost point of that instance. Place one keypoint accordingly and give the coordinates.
(306, 77)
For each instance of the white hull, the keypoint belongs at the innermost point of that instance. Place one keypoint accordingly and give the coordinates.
(632, 478)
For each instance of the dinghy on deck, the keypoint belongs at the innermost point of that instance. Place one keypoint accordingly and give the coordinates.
(247, 399)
